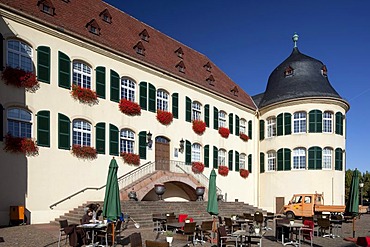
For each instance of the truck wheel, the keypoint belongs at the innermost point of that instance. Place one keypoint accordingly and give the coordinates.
(290, 215)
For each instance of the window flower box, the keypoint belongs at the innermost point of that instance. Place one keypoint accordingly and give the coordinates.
(244, 173)
(21, 145)
(84, 152)
(199, 127)
(224, 132)
(20, 78)
(244, 137)
(129, 108)
(164, 117)
(223, 170)
(84, 95)
(197, 167)
(132, 159)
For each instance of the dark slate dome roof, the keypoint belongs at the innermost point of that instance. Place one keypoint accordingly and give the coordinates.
(307, 80)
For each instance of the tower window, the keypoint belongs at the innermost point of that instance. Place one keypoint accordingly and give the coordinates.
(324, 71)
(288, 71)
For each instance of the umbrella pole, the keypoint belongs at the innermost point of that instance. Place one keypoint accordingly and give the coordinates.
(113, 237)
(353, 227)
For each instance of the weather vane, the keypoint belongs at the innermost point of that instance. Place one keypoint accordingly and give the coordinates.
(295, 39)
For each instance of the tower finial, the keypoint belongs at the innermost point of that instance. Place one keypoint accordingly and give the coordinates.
(295, 39)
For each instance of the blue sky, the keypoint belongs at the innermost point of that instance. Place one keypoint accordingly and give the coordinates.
(248, 39)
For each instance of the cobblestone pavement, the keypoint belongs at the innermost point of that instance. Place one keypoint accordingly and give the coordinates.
(44, 235)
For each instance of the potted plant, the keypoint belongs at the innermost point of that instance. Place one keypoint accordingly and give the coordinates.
(84, 95)
(129, 158)
(20, 78)
(84, 152)
(21, 145)
(244, 137)
(199, 127)
(244, 173)
(129, 108)
(223, 170)
(164, 117)
(197, 167)
(169, 236)
(224, 132)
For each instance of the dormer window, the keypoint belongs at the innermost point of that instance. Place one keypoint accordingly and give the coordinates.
(139, 48)
(181, 67)
(210, 80)
(93, 27)
(179, 53)
(235, 91)
(208, 66)
(46, 6)
(144, 35)
(324, 71)
(105, 16)
(288, 71)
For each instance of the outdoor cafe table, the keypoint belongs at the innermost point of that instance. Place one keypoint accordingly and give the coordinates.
(291, 228)
(247, 235)
(93, 227)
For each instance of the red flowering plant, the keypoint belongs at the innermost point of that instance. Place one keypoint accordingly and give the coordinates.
(164, 117)
(129, 108)
(244, 173)
(130, 158)
(223, 170)
(20, 145)
(244, 137)
(84, 95)
(224, 132)
(20, 78)
(199, 127)
(197, 167)
(84, 152)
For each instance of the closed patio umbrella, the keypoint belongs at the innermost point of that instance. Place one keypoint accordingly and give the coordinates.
(212, 204)
(353, 198)
(112, 204)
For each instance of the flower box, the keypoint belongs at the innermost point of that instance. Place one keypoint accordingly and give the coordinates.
(84, 152)
(84, 95)
(244, 173)
(223, 170)
(20, 145)
(129, 108)
(129, 158)
(244, 137)
(199, 127)
(197, 167)
(224, 132)
(164, 117)
(20, 78)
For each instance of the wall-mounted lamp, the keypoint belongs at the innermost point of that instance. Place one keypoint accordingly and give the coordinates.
(149, 142)
(181, 149)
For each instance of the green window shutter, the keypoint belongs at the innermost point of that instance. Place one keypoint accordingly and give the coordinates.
(152, 98)
(280, 160)
(215, 157)
(187, 152)
(187, 109)
(114, 86)
(339, 123)
(237, 161)
(262, 162)
(280, 125)
(206, 115)
(64, 131)
(311, 158)
(311, 122)
(113, 140)
(1, 118)
(143, 95)
(338, 159)
(1, 62)
(231, 123)
(43, 64)
(64, 67)
(100, 138)
(250, 129)
(287, 159)
(206, 155)
(315, 121)
(100, 82)
(262, 129)
(237, 125)
(288, 123)
(215, 118)
(175, 105)
(250, 163)
(318, 158)
(319, 121)
(43, 128)
(230, 160)
(142, 145)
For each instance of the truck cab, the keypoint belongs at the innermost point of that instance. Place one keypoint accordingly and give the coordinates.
(303, 205)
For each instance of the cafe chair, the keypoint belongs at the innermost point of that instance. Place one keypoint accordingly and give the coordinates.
(106, 234)
(136, 240)
(336, 223)
(307, 232)
(224, 239)
(248, 216)
(158, 224)
(258, 218)
(189, 231)
(220, 220)
(153, 243)
(205, 229)
(170, 219)
(269, 217)
(62, 225)
(230, 225)
(323, 225)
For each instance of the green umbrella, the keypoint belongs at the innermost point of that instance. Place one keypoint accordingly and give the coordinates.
(212, 205)
(112, 204)
(353, 200)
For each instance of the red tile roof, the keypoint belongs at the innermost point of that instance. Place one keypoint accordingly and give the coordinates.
(123, 33)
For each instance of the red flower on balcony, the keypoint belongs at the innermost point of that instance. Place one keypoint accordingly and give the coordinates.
(244, 173)
(129, 108)
(84, 152)
(129, 158)
(244, 137)
(197, 167)
(199, 127)
(223, 170)
(20, 78)
(224, 132)
(20, 145)
(164, 117)
(84, 95)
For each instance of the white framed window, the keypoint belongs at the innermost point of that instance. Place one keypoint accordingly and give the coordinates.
(222, 119)
(19, 55)
(81, 74)
(19, 122)
(327, 157)
(162, 100)
(81, 133)
(221, 157)
(271, 161)
(299, 122)
(327, 120)
(127, 141)
(128, 89)
(271, 127)
(242, 126)
(299, 159)
(242, 164)
(196, 111)
(195, 152)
